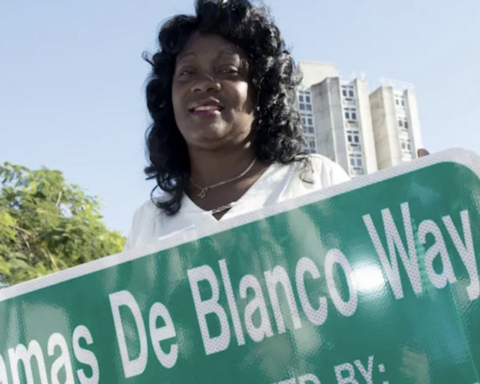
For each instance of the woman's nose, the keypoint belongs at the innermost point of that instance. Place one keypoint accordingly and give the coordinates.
(206, 83)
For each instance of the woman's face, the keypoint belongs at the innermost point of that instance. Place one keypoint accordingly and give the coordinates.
(211, 94)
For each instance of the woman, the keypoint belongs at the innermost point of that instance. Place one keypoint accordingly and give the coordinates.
(226, 138)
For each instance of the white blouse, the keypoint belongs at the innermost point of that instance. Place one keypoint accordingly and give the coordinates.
(278, 183)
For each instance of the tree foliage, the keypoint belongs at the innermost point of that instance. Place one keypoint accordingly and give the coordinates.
(47, 225)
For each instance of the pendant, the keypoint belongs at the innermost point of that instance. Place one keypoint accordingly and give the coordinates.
(221, 209)
(203, 193)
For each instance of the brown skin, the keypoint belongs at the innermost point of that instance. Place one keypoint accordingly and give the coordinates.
(220, 145)
(422, 153)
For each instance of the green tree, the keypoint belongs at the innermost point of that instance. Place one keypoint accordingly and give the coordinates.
(47, 225)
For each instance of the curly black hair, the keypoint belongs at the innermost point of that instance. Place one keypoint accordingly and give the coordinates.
(274, 76)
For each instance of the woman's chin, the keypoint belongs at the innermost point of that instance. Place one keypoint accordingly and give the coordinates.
(210, 138)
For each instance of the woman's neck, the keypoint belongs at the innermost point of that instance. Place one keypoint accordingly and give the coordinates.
(211, 167)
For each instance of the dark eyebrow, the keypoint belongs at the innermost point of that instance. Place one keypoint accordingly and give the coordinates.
(184, 55)
(226, 52)
(221, 53)
(229, 53)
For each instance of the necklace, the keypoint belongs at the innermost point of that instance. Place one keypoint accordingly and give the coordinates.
(204, 190)
(222, 208)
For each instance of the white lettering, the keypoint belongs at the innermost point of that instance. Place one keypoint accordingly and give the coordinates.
(203, 308)
(410, 261)
(3, 372)
(258, 302)
(316, 316)
(339, 369)
(346, 308)
(22, 354)
(237, 325)
(136, 366)
(63, 361)
(367, 374)
(438, 248)
(466, 251)
(309, 378)
(166, 332)
(272, 278)
(85, 356)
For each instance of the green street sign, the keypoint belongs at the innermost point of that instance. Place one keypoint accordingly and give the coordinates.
(373, 281)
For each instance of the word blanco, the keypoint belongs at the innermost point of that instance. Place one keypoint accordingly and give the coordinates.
(278, 277)
(438, 249)
(57, 345)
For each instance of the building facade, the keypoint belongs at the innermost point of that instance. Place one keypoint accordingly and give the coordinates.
(313, 73)
(361, 132)
(395, 122)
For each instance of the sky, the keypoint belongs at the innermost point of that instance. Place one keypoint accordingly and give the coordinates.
(72, 78)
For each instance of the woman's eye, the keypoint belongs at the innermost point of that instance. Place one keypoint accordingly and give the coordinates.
(229, 70)
(185, 72)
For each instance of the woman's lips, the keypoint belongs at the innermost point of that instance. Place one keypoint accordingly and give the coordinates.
(206, 111)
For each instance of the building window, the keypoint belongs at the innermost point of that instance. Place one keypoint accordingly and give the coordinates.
(348, 91)
(399, 101)
(356, 164)
(305, 101)
(353, 137)
(307, 121)
(406, 146)
(403, 123)
(305, 107)
(356, 160)
(350, 113)
(353, 140)
(311, 146)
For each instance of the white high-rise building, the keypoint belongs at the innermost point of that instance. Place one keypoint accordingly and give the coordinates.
(395, 123)
(343, 125)
(312, 73)
(341, 121)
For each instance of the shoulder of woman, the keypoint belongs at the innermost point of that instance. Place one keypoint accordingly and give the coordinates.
(320, 169)
(143, 219)
(146, 211)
